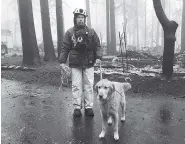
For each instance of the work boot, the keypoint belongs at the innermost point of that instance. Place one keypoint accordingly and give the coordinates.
(77, 113)
(89, 112)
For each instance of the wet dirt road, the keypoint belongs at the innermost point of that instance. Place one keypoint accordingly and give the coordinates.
(33, 114)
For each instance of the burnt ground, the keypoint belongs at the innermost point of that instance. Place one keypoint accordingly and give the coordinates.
(35, 111)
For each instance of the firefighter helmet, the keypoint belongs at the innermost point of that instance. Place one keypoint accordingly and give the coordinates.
(80, 11)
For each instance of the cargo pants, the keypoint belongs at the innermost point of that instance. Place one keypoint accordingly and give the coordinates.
(82, 87)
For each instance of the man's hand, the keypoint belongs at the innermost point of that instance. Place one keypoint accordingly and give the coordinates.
(98, 61)
(65, 68)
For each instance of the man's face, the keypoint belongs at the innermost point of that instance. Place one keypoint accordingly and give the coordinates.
(80, 19)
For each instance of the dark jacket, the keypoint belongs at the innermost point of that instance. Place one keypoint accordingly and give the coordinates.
(84, 54)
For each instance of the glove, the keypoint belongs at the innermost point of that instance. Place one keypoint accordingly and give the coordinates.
(65, 68)
(98, 61)
(63, 65)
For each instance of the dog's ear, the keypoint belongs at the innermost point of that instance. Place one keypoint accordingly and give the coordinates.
(112, 88)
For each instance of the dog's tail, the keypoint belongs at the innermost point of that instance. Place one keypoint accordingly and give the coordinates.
(127, 86)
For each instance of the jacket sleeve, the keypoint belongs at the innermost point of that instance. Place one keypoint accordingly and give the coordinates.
(98, 48)
(66, 46)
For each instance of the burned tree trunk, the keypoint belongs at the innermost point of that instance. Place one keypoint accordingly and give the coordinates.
(112, 27)
(169, 28)
(60, 25)
(108, 24)
(152, 33)
(145, 24)
(157, 34)
(183, 34)
(88, 13)
(183, 29)
(124, 11)
(137, 24)
(49, 52)
(29, 43)
(162, 33)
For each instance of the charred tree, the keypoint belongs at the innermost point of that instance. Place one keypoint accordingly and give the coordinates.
(29, 43)
(49, 52)
(88, 12)
(112, 27)
(169, 28)
(157, 34)
(124, 10)
(137, 24)
(163, 2)
(60, 25)
(183, 29)
(108, 24)
(152, 32)
(145, 40)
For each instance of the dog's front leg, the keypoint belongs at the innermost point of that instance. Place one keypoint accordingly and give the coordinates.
(104, 120)
(116, 134)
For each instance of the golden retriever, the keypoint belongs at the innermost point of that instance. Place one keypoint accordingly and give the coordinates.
(111, 95)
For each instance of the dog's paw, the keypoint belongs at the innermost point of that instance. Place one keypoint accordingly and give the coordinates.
(102, 135)
(116, 136)
(109, 121)
(123, 119)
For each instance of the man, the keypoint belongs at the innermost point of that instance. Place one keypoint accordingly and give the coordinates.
(82, 45)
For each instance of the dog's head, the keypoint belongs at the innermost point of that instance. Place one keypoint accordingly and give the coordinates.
(104, 89)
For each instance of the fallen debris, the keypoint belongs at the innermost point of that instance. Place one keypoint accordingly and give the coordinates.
(115, 67)
(14, 67)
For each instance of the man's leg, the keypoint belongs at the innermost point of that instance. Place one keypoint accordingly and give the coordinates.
(77, 90)
(88, 81)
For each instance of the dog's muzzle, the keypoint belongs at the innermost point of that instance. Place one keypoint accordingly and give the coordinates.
(100, 96)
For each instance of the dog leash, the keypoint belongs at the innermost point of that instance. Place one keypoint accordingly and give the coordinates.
(101, 71)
